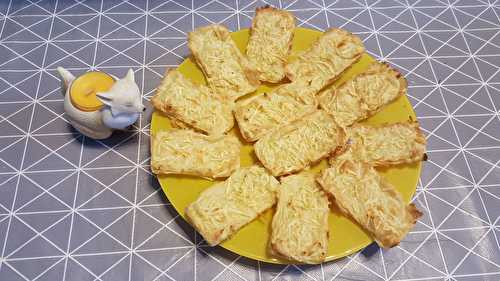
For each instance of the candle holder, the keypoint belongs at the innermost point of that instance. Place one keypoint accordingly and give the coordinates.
(97, 103)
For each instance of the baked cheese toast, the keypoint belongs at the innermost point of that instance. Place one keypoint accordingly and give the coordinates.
(227, 71)
(225, 207)
(190, 153)
(270, 42)
(295, 146)
(287, 103)
(392, 144)
(361, 193)
(327, 58)
(194, 105)
(300, 223)
(364, 95)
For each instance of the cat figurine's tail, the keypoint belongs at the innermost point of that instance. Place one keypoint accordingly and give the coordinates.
(67, 77)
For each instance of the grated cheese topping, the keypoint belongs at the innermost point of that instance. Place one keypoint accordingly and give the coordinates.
(281, 106)
(361, 193)
(387, 145)
(293, 147)
(227, 71)
(300, 224)
(194, 105)
(190, 153)
(327, 58)
(364, 95)
(270, 42)
(225, 207)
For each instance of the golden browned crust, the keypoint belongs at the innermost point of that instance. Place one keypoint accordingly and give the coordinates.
(227, 71)
(385, 145)
(363, 95)
(194, 105)
(361, 193)
(329, 56)
(178, 124)
(293, 147)
(285, 104)
(270, 42)
(190, 153)
(225, 207)
(300, 223)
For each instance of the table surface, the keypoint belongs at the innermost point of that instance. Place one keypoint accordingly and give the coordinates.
(72, 208)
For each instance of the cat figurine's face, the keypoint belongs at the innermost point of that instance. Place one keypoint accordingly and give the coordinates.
(124, 96)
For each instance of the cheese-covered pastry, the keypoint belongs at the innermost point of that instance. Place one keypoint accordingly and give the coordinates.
(186, 152)
(363, 95)
(300, 224)
(225, 207)
(387, 144)
(270, 42)
(194, 105)
(361, 193)
(293, 147)
(327, 58)
(227, 71)
(285, 104)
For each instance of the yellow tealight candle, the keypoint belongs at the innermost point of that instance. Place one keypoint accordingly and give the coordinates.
(84, 88)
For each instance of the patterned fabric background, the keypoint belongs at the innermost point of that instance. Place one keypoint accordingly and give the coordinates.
(72, 208)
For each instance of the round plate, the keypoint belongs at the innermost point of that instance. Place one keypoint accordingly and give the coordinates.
(346, 236)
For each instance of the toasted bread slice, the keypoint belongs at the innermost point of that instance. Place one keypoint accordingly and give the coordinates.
(361, 193)
(327, 58)
(300, 224)
(270, 42)
(190, 153)
(193, 104)
(285, 104)
(295, 146)
(364, 95)
(225, 207)
(228, 72)
(387, 145)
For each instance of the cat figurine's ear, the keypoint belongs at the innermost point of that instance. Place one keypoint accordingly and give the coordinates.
(66, 76)
(130, 75)
(106, 98)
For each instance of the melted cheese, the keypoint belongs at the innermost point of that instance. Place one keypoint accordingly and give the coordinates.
(283, 105)
(190, 153)
(327, 58)
(364, 95)
(227, 71)
(387, 145)
(295, 146)
(225, 207)
(270, 42)
(361, 193)
(300, 224)
(192, 104)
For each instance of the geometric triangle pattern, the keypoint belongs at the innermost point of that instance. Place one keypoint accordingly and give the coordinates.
(72, 208)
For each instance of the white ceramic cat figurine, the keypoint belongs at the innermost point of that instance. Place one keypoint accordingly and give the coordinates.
(122, 106)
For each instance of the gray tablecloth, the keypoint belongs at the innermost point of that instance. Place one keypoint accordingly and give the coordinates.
(72, 208)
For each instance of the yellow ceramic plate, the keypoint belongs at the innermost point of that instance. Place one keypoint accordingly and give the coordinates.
(346, 236)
